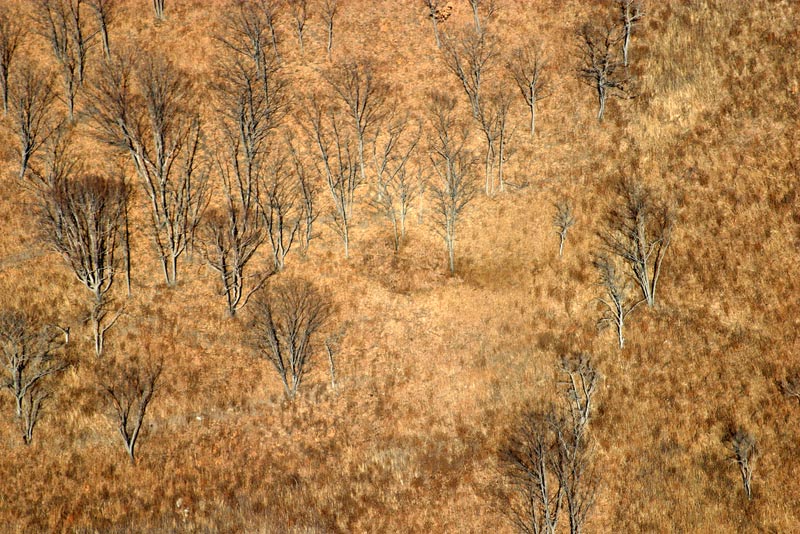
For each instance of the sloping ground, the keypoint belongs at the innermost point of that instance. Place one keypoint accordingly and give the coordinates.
(434, 370)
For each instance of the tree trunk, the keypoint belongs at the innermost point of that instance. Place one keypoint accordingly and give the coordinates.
(436, 30)
(475, 16)
(601, 96)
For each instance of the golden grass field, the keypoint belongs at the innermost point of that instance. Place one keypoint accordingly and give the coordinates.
(434, 370)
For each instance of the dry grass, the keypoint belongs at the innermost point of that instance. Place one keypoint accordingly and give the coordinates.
(434, 369)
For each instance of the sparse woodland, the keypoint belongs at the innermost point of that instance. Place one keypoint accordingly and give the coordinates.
(399, 266)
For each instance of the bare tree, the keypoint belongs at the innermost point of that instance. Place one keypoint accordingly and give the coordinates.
(630, 13)
(532, 458)
(563, 220)
(30, 353)
(615, 300)
(528, 67)
(338, 162)
(147, 111)
(299, 11)
(638, 230)
(282, 208)
(468, 56)
(364, 95)
(158, 9)
(233, 234)
(60, 22)
(329, 10)
(310, 193)
(493, 120)
(743, 447)
(104, 11)
(395, 186)
(599, 65)
(454, 186)
(83, 218)
(11, 31)
(286, 318)
(32, 99)
(129, 387)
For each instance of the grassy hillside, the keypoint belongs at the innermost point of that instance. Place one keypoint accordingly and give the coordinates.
(434, 370)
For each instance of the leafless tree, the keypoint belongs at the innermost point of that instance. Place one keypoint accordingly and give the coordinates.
(104, 11)
(147, 111)
(532, 458)
(743, 447)
(338, 162)
(33, 115)
(30, 353)
(233, 234)
(790, 386)
(158, 9)
(493, 119)
(469, 55)
(487, 6)
(630, 13)
(83, 218)
(395, 187)
(310, 193)
(599, 65)
(286, 318)
(528, 66)
(282, 208)
(299, 11)
(61, 23)
(129, 387)
(364, 96)
(563, 220)
(615, 299)
(11, 31)
(454, 186)
(638, 230)
(329, 10)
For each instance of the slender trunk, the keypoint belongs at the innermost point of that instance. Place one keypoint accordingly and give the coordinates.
(451, 253)
(346, 239)
(533, 113)
(361, 158)
(23, 167)
(330, 38)
(396, 233)
(625, 42)
(601, 96)
(489, 168)
(329, 350)
(436, 31)
(126, 243)
(500, 155)
(174, 267)
(106, 45)
(620, 325)
(19, 398)
(4, 87)
(475, 16)
(561, 245)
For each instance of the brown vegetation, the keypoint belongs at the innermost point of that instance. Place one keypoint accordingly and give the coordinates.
(433, 372)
